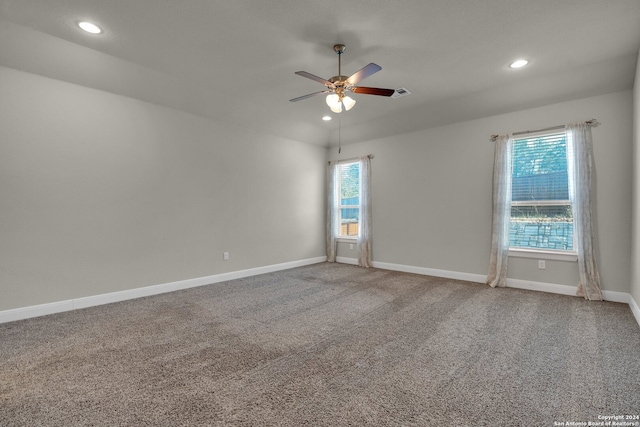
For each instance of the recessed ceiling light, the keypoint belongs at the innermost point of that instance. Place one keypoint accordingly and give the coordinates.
(89, 27)
(326, 118)
(519, 63)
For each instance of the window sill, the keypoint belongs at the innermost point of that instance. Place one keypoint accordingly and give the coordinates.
(556, 256)
(353, 239)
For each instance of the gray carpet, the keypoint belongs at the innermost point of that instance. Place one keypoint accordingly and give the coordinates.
(325, 345)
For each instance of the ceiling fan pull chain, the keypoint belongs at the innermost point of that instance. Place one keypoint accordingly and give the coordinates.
(339, 136)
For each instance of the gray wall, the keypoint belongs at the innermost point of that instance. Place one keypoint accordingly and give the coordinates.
(635, 253)
(431, 192)
(102, 193)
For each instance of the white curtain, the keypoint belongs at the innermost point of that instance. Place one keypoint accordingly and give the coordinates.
(364, 228)
(333, 203)
(499, 258)
(579, 165)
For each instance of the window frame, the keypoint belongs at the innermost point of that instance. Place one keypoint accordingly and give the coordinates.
(542, 253)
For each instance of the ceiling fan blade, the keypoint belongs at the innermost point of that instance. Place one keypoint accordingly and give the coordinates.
(300, 98)
(372, 91)
(363, 73)
(314, 77)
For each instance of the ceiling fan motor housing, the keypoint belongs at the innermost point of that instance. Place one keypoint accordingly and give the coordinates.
(335, 79)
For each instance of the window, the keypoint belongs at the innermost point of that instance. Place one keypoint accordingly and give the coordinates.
(541, 217)
(349, 190)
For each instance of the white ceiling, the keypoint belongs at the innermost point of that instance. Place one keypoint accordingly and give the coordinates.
(234, 60)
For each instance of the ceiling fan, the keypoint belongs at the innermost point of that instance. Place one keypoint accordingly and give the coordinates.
(338, 86)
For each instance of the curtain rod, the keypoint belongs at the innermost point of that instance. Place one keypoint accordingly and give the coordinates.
(371, 156)
(590, 122)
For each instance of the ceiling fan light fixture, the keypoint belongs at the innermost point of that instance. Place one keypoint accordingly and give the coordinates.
(339, 85)
(333, 101)
(348, 103)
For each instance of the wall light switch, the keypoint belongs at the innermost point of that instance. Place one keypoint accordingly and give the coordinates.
(225, 256)
(541, 264)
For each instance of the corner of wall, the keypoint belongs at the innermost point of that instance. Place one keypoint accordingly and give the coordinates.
(635, 216)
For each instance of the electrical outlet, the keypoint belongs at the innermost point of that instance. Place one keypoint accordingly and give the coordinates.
(541, 264)
(225, 256)
(350, 245)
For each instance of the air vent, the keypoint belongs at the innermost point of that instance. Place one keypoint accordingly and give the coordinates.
(400, 92)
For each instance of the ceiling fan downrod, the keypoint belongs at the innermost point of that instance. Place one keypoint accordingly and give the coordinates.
(339, 49)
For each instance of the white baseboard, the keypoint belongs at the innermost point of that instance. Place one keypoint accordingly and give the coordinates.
(612, 296)
(84, 302)
(431, 272)
(615, 296)
(634, 308)
(35, 311)
(345, 260)
(551, 288)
